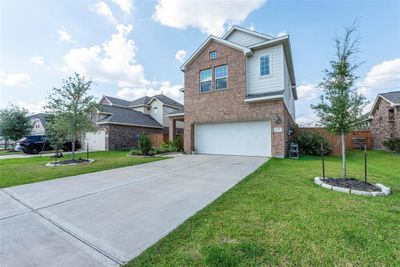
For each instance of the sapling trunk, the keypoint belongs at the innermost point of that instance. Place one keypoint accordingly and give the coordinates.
(73, 150)
(343, 137)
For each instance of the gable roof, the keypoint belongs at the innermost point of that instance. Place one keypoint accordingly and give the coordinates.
(41, 117)
(246, 50)
(167, 101)
(116, 101)
(143, 101)
(127, 116)
(140, 101)
(392, 97)
(251, 32)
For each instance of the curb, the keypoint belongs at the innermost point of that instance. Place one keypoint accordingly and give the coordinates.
(385, 190)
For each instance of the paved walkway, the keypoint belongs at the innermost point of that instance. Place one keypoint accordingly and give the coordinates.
(107, 218)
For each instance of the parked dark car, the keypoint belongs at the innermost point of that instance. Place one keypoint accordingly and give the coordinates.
(34, 144)
(67, 146)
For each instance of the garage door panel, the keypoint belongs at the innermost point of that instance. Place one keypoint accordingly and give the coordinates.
(96, 140)
(251, 138)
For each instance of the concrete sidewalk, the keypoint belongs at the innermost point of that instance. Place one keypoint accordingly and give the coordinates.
(109, 217)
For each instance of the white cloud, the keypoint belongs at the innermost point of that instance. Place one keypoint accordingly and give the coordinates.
(14, 79)
(103, 9)
(210, 17)
(33, 107)
(125, 5)
(307, 120)
(64, 36)
(37, 60)
(114, 61)
(251, 27)
(180, 55)
(282, 33)
(309, 91)
(381, 76)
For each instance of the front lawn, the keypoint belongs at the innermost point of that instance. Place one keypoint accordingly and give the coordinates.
(29, 170)
(278, 216)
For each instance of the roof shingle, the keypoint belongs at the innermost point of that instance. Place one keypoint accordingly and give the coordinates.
(393, 97)
(121, 115)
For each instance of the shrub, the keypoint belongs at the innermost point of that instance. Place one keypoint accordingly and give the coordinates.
(310, 144)
(393, 144)
(177, 143)
(144, 144)
(136, 152)
(168, 147)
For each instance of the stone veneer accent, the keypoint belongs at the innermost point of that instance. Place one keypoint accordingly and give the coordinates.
(120, 137)
(381, 131)
(229, 105)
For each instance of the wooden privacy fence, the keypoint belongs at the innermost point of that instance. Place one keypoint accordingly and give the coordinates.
(158, 138)
(354, 140)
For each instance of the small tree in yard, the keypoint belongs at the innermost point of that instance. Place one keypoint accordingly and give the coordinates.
(144, 144)
(14, 123)
(55, 132)
(70, 107)
(341, 104)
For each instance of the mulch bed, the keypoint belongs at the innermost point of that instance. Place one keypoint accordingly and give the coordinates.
(352, 183)
(70, 161)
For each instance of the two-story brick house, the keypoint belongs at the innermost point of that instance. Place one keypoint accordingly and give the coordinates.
(239, 95)
(384, 119)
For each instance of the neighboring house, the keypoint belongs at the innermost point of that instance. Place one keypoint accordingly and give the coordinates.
(364, 123)
(38, 124)
(385, 118)
(119, 121)
(239, 95)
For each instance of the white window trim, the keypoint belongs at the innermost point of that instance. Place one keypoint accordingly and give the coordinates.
(223, 77)
(209, 55)
(211, 80)
(270, 66)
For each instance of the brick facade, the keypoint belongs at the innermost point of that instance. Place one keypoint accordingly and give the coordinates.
(385, 123)
(121, 137)
(229, 105)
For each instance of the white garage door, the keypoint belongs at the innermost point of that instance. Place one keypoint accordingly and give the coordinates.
(251, 138)
(96, 140)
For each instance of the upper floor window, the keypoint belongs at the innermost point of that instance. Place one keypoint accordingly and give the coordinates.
(155, 110)
(221, 77)
(213, 54)
(205, 80)
(264, 65)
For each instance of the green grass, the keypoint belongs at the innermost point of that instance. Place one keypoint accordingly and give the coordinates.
(277, 216)
(29, 170)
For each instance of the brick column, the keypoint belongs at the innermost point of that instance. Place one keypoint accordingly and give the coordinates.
(172, 129)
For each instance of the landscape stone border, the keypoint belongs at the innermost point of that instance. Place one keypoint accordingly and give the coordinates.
(51, 164)
(385, 190)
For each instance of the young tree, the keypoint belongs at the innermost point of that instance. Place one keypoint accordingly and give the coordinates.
(14, 123)
(56, 133)
(341, 104)
(71, 107)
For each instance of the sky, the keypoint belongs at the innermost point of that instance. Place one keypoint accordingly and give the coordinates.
(132, 48)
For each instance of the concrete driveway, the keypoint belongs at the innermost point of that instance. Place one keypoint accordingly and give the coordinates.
(109, 217)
